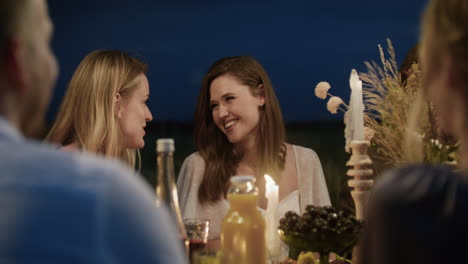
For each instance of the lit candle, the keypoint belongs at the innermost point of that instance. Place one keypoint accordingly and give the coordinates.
(356, 108)
(271, 217)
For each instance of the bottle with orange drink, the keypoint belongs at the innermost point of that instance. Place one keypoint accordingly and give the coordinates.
(243, 229)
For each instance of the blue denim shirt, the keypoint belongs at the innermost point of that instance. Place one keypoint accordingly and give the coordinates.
(59, 207)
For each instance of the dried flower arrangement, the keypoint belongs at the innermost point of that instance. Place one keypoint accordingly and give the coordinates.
(390, 102)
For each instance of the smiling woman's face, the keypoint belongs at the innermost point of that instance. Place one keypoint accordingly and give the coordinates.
(235, 109)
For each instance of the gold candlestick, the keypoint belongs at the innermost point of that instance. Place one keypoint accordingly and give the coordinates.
(361, 182)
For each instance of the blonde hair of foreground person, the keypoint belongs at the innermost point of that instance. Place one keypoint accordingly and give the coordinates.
(444, 54)
(87, 114)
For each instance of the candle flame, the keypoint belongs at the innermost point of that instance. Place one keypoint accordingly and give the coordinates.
(269, 180)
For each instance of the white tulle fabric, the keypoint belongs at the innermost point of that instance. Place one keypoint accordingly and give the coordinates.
(311, 182)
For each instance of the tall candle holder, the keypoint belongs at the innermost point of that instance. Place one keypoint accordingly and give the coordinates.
(361, 182)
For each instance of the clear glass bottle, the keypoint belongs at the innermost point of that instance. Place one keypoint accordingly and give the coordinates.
(166, 190)
(243, 229)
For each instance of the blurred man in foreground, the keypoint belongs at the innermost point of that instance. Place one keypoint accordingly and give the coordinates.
(57, 207)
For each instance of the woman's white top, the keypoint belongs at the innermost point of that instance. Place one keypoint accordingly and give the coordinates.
(311, 181)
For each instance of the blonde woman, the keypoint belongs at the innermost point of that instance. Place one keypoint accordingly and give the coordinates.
(419, 214)
(104, 109)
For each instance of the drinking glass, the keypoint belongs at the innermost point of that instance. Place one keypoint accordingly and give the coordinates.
(197, 233)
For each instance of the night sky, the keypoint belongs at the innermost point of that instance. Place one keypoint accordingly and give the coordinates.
(298, 42)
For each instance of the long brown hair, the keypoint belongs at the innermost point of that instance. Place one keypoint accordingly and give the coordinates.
(218, 153)
(86, 115)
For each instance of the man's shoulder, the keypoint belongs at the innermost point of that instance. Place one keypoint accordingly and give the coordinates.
(44, 162)
(414, 177)
(416, 185)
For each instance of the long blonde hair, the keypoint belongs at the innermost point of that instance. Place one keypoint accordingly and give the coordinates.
(444, 32)
(445, 29)
(87, 114)
(218, 153)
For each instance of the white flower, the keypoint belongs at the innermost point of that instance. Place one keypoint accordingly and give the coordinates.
(417, 136)
(321, 90)
(333, 104)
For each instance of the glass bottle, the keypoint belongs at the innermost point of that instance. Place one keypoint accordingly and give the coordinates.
(166, 190)
(243, 229)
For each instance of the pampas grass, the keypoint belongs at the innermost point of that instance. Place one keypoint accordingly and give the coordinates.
(402, 123)
(388, 102)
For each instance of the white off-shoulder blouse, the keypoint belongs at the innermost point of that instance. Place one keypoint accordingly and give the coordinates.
(311, 182)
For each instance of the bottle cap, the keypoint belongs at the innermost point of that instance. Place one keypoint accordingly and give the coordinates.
(243, 185)
(242, 179)
(165, 145)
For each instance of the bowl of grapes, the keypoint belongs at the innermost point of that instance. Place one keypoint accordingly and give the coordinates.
(320, 229)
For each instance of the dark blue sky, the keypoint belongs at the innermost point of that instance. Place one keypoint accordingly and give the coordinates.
(298, 42)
